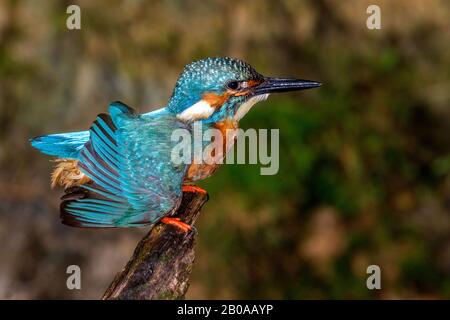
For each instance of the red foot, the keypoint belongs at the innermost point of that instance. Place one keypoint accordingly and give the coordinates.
(192, 188)
(177, 223)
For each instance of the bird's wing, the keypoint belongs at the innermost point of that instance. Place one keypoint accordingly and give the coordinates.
(133, 180)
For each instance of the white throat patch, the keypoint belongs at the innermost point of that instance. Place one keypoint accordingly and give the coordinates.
(199, 110)
(247, 105)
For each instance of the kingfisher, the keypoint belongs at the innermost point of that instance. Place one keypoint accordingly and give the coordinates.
(120, 173)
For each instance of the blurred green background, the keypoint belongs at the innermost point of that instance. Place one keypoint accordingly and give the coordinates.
(364, 160)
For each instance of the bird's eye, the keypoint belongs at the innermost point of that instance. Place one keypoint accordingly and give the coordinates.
(233, 85)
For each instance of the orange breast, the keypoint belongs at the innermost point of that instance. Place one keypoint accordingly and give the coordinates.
(203, 170)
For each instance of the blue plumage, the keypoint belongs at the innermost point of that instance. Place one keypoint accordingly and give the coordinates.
(134, 183)
(62, 145)
(127, 175)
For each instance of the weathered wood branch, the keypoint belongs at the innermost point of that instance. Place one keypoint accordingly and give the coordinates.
(162, 261)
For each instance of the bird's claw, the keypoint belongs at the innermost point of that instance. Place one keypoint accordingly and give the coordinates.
(177, 223)
(192, 188)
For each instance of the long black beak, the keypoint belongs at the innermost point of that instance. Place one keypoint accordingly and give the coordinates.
(283, 85)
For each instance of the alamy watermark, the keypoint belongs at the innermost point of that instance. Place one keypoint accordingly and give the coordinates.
(73, 21)
(74, 279)
(210, 146)
(374, 280)
(373, 21)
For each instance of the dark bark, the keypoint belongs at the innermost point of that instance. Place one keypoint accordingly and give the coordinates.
(162, 261)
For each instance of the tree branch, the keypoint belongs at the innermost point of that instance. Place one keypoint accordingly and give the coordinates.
(162, 261)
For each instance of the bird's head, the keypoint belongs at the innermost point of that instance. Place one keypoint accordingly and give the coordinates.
(215, 89)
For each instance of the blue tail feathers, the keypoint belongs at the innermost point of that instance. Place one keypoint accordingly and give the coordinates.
(62, 145)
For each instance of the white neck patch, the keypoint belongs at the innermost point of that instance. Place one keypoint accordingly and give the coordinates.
(247, 105)
(199, 110)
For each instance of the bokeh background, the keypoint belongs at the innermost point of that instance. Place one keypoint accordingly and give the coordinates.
(364, 160)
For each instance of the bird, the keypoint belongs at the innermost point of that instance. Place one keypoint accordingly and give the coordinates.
(119, 173)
